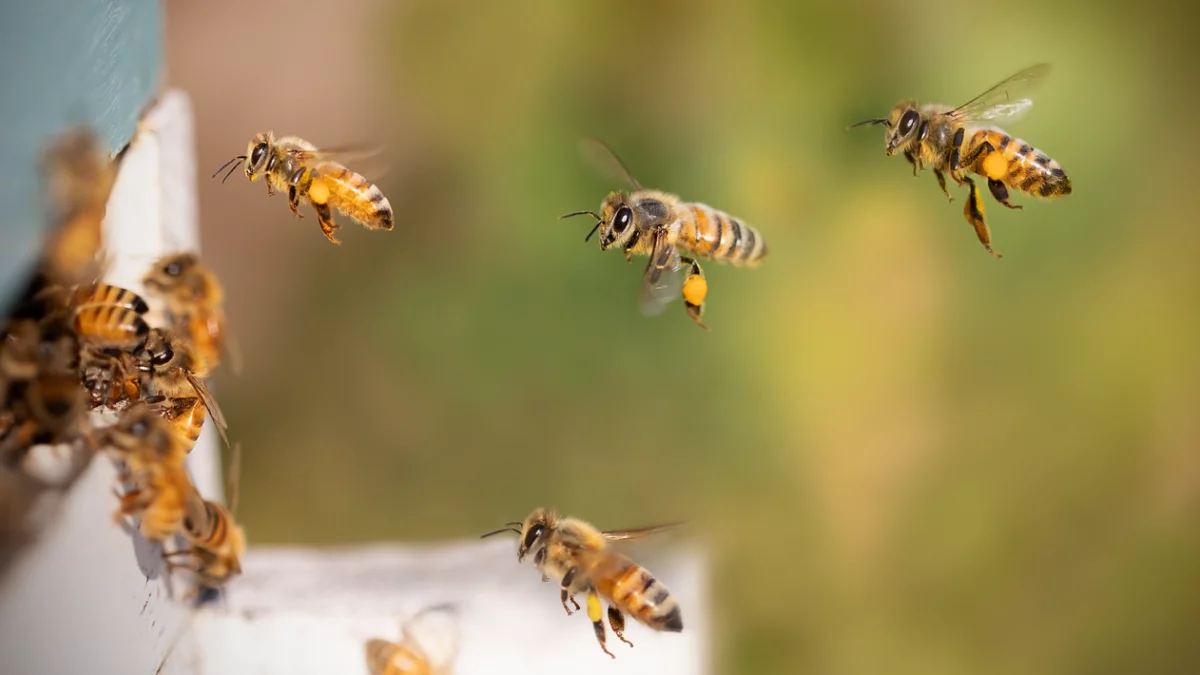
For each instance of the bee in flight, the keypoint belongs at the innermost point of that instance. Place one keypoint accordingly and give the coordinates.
(293, 165)
(660, 225)
(964, 140)
(428, 645)
(577, 554)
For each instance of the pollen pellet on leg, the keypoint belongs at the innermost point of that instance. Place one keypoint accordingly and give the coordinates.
(995, 166)
(319, 192)
(695, 289)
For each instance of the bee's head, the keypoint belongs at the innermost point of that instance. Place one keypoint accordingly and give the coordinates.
(167, 271)
(901, 124)
(615, 223)
(257, 153)
(256, 157)
(532, 532)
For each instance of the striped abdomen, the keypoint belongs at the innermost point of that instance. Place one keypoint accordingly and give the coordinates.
(356, 197)
(207, 524)
(188, 423)
(111, 324)
(633, 590)
(389, 658)
(164, 516)
(1019, 165)
(105, 294)
(709, 233)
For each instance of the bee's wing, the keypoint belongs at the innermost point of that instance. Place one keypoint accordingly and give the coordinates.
(604, 160)
(433, 632)
(661, 283)
(1008, 100)
(638, 533)
(351, 155)
(206, 397)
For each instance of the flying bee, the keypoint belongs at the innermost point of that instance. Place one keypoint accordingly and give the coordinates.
(154, 465)
(194, 300)
(293, 165)
(660, 225)
(173, 373)
(965, 140)
(428, 645)
(217, 540)
(577, 554)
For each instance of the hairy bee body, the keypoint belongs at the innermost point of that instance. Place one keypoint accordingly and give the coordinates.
(579, 556)
(1017, 164)
(385, 657)
(195, 302)
(963, 141)
(111, 325)
(306, 174)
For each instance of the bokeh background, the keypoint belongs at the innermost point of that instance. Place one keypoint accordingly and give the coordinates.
(904, 456)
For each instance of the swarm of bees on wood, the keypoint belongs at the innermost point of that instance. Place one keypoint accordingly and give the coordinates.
(90, 369)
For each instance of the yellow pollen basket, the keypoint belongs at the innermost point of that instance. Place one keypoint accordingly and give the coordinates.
(319, 191)
(593, 606)
(695, 289)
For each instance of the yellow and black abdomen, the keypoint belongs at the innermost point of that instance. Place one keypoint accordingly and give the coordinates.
(709, 233)
(206, 524)
(111, 324)
(106, 294)
(633, 590)
(1019, 165)
(354, 196)
(389, 658)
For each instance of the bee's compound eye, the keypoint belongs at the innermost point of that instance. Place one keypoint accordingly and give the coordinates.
(532, 535)
(139, 428)
(164, 357)
(173, 269)
(908, 121)
(622, 219)
(257, 155)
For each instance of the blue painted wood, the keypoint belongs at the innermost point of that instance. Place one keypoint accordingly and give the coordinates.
(95, 62)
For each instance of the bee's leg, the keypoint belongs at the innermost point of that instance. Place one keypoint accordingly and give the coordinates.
(596, 614)
(911, 160)
(630, 244)
(941, 178)
(294, 201)
(957, 145)
(565, 594)
(976, 154)
(325, 216)
(695, 290)
(974, 215)
(617, 620)
(1000, 192)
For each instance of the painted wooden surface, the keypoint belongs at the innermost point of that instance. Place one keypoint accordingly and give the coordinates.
(90, 595)
(95, 62)
(310, 612)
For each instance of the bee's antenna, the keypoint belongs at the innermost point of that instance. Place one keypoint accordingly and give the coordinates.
(592, 232)
(239, 159)
(573, 214)
(503, 529)
(877, 120)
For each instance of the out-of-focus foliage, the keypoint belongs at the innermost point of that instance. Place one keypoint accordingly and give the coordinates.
(906, 457)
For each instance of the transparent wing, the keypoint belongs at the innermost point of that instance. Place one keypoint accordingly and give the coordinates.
(662, 282)
(433, 631)
(206, 397)
(604, 160)
(638, 533)
(1009, 100)
(363, 158)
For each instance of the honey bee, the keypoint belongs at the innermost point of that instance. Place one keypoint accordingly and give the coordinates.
(309, 175)
(964, 140)
(428, 645)
(217, 540)
(111, 326)
(42, 397)
(154, 464)
(577, 554)
(173, 373)
(193, 299)
(660, 225)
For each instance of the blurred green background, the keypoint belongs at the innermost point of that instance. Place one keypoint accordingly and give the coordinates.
(905, 456)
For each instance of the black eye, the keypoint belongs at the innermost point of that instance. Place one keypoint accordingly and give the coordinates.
(164, 357)
(138, 428)
(173, 269)
(623, 218)
(257, 155)
(908, 122)
(533, 534)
